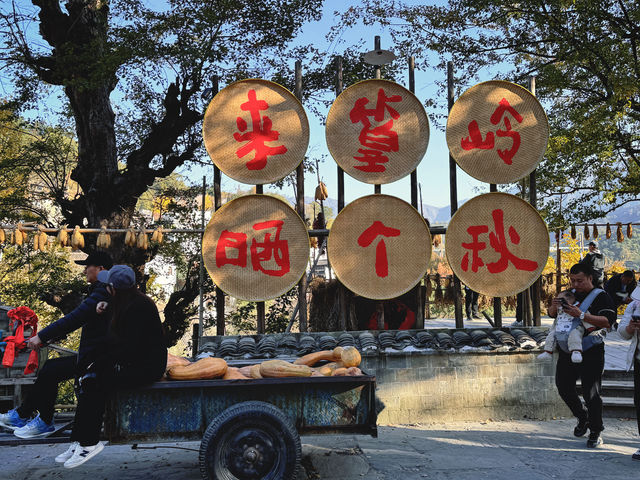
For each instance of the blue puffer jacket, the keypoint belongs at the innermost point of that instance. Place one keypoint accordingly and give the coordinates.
(94, 326)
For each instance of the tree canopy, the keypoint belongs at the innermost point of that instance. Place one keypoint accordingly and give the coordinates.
(158, 63)
(584, 54)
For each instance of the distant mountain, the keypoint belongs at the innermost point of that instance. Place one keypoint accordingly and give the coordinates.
(625, 214)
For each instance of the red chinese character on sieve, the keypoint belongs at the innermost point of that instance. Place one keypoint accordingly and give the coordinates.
(233, 240)
(260, 134)
(268, 249)
(367, 237)
(498, 242)
(261, 252)
(378, 139)
(475, 141)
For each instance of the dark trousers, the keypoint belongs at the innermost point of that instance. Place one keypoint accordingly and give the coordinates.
(88, 420)
(43, 393)
(91, 401)
(636, 390)
(590, 372)
(471, 302)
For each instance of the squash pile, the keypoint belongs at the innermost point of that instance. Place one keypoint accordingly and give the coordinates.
(341, 362)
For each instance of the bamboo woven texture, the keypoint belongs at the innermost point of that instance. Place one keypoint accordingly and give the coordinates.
(286, 115)
(478, 104)
(240, 216)
(343, 132)
(407, 254)
(533, 243)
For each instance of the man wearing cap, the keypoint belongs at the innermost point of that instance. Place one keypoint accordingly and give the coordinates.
(42, 395)
(595, 260)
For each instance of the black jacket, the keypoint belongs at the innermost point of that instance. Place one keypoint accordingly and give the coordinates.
(94, 326)
(614, 285)
(138, 349)
(596, 261)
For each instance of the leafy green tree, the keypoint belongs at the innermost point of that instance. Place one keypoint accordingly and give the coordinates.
(584, 54)
(95, 50)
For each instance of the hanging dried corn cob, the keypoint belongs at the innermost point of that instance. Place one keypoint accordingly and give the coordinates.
(77, 240)
(18, 237)
(313, 242)
(104, 239)
(143, 239)
(586, 232)
(40, 239)
(595, 231)
(157, 235)
(629, 230)
(321, 192)
(619, 234)
(130, 237)
(437, 240)
(608, 235)
(3, 236)
(63, 236)
(573, 232)
(429, 286)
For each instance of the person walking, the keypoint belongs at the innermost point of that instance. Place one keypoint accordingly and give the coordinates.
(42, 395)
(471, 303)
(596, 308)
(595, 260)
(629, 329)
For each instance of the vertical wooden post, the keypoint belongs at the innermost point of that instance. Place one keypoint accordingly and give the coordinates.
(558, 262)
(376, 46)
(533, 200)
(342, 297)
(302, 284)
(217, 199)
(217, 203)
(497, 301)
(453, 197)
(194, 340)
(260, 307)
(339, 87)
(414, 202)
(201, 273)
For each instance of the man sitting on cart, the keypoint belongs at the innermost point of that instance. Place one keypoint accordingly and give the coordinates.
(42, 396)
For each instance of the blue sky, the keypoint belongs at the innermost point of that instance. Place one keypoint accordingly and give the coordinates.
(433, 171)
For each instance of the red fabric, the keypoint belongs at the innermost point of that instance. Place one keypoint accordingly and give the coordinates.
(21, 317)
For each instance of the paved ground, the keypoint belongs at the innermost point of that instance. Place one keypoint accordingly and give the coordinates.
(520, 450)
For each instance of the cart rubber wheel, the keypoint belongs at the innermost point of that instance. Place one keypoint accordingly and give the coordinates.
(250, 441)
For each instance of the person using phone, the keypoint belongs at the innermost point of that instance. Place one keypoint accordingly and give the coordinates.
(628, 329)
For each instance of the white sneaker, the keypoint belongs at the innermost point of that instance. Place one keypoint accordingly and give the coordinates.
(82, 454)
(546, 356)
(68, 453)
(576, 356)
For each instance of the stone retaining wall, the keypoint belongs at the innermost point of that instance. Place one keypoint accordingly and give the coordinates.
(419, 387)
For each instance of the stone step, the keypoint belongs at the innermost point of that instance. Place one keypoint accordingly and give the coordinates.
(618, 407)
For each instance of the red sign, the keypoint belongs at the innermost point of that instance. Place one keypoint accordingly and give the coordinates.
(499, 243)
(258, 136)
(497, 132)
(474, 140)
(377, 131)
(255, 131)
(378, 139)
(376, 229)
